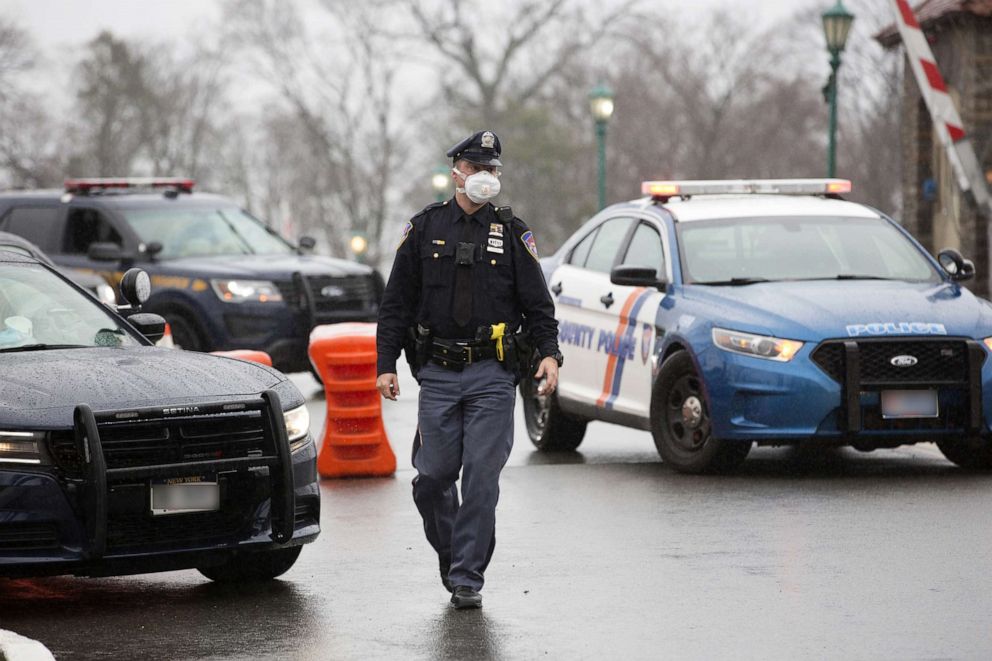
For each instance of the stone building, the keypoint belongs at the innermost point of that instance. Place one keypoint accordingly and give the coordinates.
(934, 208)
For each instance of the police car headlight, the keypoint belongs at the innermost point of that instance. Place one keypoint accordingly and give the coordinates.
(988, 343)
(241, 291)
(759, 346)
(106, 294)
(297, 426)
(20, 447)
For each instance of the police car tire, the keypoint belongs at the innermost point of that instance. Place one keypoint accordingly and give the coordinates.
(712, 455)
(186, 333)
(969, 453)
(561, 433)
(253, 565)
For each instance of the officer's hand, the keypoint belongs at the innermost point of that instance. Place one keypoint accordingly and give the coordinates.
(548, 369)
(388, 385)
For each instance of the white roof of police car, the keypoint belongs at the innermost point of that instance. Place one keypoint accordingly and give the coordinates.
(710, 207)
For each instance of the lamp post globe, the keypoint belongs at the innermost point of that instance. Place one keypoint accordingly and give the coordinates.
(359, 245)
(440, 178)
(601, 107)
(837, 23)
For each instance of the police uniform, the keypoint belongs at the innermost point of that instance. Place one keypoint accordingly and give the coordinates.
(467, 395)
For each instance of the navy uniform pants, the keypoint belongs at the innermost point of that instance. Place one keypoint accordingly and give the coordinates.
(465, 423)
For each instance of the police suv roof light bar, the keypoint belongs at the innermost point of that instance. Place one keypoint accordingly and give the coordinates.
(84, 186)
(663, 190)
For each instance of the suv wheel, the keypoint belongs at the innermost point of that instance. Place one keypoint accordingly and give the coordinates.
(550, 429)
(680, 422)
(186, 333)
(973, 453)
(253, 565)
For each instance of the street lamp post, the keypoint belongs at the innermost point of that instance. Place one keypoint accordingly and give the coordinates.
(836, 26)
(439, 182)
(601, 105)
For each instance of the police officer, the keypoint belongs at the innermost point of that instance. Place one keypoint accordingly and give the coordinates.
(465, 279)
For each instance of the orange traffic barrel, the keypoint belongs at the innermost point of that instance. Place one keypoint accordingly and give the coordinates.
(354, 441)
(245, 354)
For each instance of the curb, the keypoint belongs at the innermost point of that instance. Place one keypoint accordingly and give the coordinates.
(14, 647)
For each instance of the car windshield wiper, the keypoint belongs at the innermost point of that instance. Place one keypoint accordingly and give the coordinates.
(42, 347)
(855, 276)
(733, 282)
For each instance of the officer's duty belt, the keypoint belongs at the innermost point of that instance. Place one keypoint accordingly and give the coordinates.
(455, 355)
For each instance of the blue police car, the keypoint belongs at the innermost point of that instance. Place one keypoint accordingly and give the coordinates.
(222, 279)
(720, 314)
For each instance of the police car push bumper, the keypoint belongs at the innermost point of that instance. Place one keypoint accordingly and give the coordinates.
(762, 399)
(75, 523)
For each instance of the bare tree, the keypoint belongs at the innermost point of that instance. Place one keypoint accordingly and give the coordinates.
(112, 97)
(340, 90)
(27, 155)
(145, 109)
(532, 44)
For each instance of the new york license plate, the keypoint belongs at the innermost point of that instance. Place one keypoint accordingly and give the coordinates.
(185, 494)
(909, 404)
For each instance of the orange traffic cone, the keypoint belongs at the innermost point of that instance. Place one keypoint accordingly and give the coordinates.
(354, 440)
(166, 340)
(246, 354)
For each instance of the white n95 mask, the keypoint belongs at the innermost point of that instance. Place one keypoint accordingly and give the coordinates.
(479, 187)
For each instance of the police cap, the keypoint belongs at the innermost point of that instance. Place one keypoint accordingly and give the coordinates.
(482, 148)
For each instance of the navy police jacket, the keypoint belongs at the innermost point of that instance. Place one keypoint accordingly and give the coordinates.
(507, 282)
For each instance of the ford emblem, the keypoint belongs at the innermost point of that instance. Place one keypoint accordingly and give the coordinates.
(904, 361)
(330, 291)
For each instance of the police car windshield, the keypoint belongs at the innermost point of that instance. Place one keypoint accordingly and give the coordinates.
(205, 231)
(38, 310)
(746, 251)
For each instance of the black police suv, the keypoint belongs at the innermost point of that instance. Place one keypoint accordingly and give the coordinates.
(119, 457)
(223, 279)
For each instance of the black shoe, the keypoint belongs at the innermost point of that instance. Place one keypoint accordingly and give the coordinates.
(466, 597)
(445, 567)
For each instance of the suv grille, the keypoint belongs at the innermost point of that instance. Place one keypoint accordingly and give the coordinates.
(938, 362)
(133, 530)
(155, 442)
(28, 536)
(333, 296)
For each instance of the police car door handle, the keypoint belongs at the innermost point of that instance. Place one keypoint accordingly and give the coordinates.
(556, 288)
(607, 300)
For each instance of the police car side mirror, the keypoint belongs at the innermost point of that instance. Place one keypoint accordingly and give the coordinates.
(150, 325)
(135, 288)
(104, 252)
(152, 249)
(955, 265)
(307, 243)
(636, 276)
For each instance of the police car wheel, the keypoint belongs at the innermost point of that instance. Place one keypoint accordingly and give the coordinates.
(253, 565)
(185, 332)
(550, 429)
(971, 453)
(680, 422)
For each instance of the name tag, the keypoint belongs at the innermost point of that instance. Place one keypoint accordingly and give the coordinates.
(495, 245)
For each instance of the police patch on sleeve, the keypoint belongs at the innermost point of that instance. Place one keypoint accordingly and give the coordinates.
(406, 232)
(528, 240)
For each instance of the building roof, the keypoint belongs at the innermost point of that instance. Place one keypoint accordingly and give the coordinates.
(931, 12)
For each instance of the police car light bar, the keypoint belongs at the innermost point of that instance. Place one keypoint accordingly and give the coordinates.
(181, 184)
(666, 189)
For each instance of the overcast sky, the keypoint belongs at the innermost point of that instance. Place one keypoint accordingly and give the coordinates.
(61, 23)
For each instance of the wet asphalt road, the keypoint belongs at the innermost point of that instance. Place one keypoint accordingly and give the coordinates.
(604, 553)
